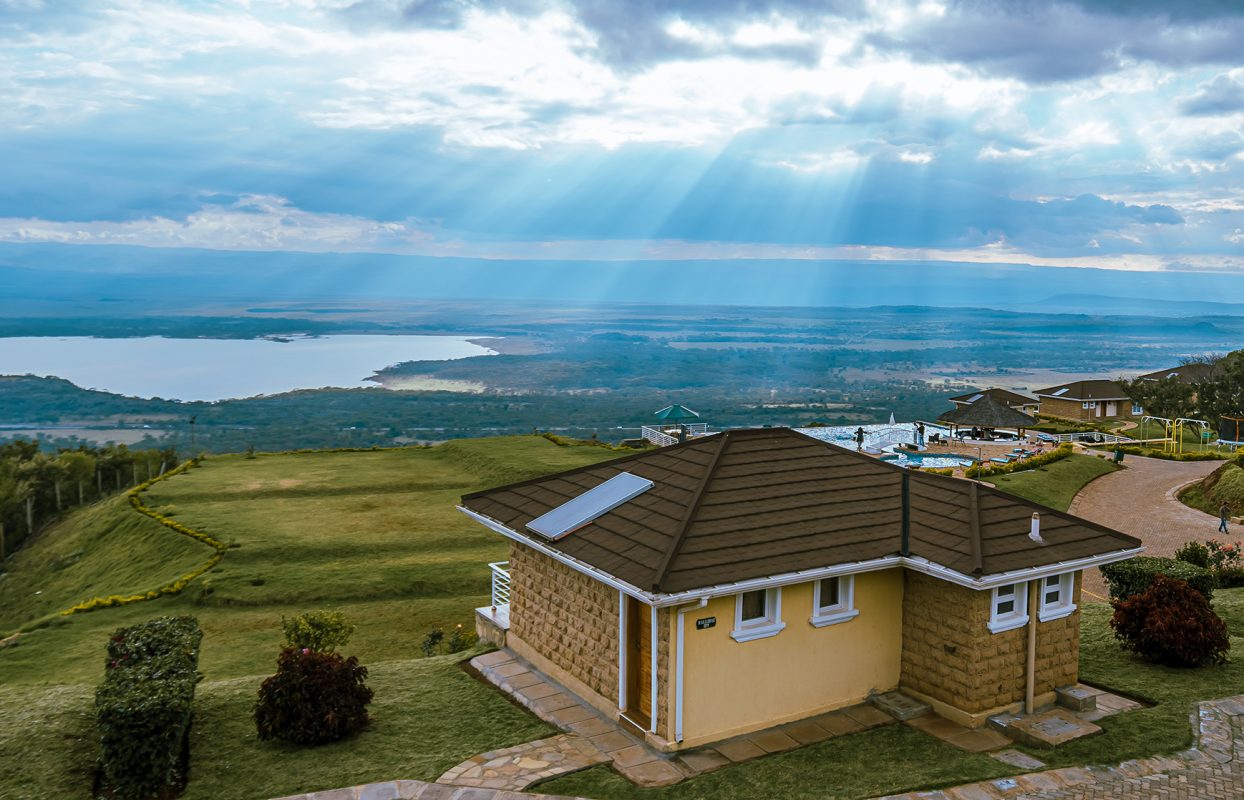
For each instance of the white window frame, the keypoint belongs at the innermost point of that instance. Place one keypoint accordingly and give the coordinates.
(770, 624)
(1089, 404)
(1137, 409)
(842, 611)
(1065, 606)
(1017, 617)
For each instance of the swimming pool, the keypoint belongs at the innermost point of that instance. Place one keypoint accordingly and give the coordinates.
(929, 461)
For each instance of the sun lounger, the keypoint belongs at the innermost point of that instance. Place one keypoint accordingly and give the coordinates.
(1001, 460)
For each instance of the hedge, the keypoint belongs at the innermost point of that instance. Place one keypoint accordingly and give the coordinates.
(1127, 578)
(1165, 456)
(144, 707)
(174, 586)
(1032, 462)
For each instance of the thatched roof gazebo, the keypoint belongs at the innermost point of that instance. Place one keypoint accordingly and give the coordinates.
(987, 413)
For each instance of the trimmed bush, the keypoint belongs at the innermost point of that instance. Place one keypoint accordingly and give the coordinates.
(1171, 623)
(318, 631)
(1131, 577)
(1193, 553)
(1229, 577)
(984, 471)
(313, 698)
(144, 707)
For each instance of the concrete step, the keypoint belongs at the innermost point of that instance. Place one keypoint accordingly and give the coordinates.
(1076, 697)
(900, 706)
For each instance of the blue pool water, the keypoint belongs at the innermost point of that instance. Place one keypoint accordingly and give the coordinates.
(929, 461)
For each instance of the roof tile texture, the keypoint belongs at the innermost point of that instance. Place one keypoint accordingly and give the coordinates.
(776, 501)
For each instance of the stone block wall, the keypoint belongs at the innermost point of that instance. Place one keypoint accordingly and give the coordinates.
(949, 653)
(1067, 409)
(569, 618)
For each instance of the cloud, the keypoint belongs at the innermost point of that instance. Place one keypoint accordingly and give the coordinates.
(1223, 95)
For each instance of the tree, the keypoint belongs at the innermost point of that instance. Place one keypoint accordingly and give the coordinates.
(79, 468)
(1223, 394)
(1165, 397)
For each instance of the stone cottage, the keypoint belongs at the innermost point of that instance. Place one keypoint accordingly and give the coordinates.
(1086, 401)
(756, 577)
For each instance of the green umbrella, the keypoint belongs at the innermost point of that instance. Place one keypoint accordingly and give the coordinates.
(676, 413)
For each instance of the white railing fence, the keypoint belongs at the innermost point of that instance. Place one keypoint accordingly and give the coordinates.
(665, 435)
(500, 584)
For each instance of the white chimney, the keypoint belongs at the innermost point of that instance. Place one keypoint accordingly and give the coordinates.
(1035, 533)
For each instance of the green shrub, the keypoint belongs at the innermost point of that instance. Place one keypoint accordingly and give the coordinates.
(432, 641)
(144, 707)
(985, 471)
(313, 698)
(1171, 623)
(1194, 553)
(1229, 577)
(1230, 487)
(318, 631)
(1131, 577)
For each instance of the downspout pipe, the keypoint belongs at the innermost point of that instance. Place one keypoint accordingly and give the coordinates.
(1030, 684)
(678, 670)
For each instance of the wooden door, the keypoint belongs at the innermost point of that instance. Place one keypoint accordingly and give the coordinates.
(638, 661)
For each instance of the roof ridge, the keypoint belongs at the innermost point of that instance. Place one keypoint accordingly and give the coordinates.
(693, 508)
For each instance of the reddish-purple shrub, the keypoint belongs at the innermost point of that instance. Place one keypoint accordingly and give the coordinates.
(313, 698)
(1171, 623)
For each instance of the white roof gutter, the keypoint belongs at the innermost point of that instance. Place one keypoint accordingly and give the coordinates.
(923, 565)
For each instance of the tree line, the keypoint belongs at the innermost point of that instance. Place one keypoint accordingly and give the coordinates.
(36, 486)
(1219, 391)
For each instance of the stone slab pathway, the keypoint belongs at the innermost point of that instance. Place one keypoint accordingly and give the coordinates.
(1212, 770)
(522, 765)
(1140, 500)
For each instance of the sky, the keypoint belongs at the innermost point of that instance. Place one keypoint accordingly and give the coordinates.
(1091, 133)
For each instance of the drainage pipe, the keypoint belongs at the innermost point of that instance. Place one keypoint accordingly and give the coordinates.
(1034, 588)
(678, 670)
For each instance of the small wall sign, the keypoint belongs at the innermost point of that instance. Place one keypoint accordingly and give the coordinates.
(706, 622)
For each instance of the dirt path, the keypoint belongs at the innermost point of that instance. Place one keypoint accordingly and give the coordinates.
(1140, 500)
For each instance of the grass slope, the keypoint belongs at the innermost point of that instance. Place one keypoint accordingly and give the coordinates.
(374, 534)
(105, 548)
(1056, 484)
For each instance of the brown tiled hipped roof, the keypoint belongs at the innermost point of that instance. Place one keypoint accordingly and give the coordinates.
(1004, 395)
(987, 412)
(1196, 372)
(1085, 390)
(757, 503)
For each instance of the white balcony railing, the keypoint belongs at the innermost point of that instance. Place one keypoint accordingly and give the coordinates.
(500, 584)
(668, 434)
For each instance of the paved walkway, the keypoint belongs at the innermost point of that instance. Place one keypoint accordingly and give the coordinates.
(1212, 770)
(1140, 500)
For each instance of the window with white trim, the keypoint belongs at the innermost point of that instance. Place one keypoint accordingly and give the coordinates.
(757, 614)
(1010, 607)
(833, 600)
(1089, 404)
(1137, 409)
(1056, 596)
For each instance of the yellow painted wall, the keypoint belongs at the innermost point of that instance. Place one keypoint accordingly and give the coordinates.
(733, 687)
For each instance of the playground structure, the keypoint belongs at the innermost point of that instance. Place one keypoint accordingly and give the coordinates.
(1180, 435)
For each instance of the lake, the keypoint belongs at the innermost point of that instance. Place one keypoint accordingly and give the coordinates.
(217, 369)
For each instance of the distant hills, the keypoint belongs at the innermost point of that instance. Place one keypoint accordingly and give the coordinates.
(43, 278)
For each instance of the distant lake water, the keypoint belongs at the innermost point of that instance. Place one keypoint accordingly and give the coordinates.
(216, 369)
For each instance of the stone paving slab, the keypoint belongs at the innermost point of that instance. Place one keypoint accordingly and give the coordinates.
(522, 765)
(1213, 770)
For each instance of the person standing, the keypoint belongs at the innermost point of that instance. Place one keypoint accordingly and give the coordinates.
(859, 438)
(920, 435)
(1224, 517)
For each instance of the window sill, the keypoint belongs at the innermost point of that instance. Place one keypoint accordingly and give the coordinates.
(757, 632)
(1056, 613)
(1007, 624)
(834, 618)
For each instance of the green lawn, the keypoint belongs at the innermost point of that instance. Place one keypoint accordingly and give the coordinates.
(1056, 484)
(376, 535)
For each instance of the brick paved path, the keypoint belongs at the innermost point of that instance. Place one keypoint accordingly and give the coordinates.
(1140, 500)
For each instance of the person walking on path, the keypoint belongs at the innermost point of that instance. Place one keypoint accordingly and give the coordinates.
(1224, 516)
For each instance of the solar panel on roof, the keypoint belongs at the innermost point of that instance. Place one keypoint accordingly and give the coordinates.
(1060, 391)
(975, 397)
(588, 506)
